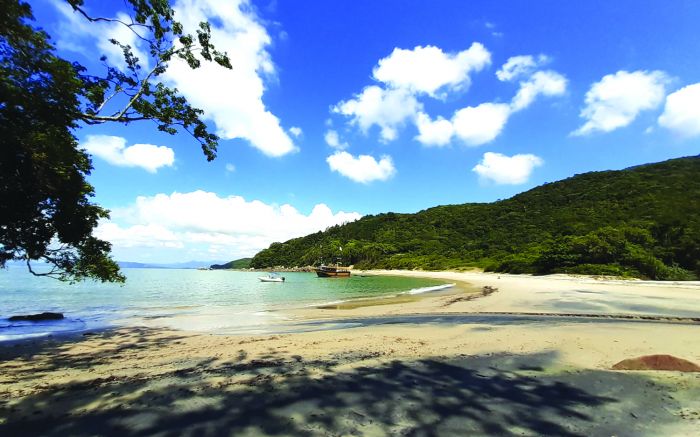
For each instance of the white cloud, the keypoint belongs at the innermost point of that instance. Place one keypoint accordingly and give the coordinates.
(75, 33)
(186, 221)
(433, 133)
(502, 169)
(535, 83)
(409, 74)
(113, 150)
(231, 98)
(617, 99)
(295, 131)
(481, 124)
(428, 69)
(682, 112)
(386, 108)
(363, 169)
(491, 27)
(230, 167)
(546, 83)
(149, 235)
(333, 140)
(518, 66)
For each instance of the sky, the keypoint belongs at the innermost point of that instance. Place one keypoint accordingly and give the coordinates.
(338, 109)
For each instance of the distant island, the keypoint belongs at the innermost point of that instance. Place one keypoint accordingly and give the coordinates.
(243, 263)
(643, 221)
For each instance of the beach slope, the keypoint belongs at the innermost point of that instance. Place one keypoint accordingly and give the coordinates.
(475, 367)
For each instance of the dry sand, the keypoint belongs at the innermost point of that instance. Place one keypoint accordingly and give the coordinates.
(428, 366)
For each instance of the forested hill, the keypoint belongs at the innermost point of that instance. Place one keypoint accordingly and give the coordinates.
(642, 221)
(242, 263)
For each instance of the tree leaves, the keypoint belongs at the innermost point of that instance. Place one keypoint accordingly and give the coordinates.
(643, 221)
(45, 209)
(148, 98)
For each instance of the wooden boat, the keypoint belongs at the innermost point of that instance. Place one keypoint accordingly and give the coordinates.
(272, 277)
(332, 272)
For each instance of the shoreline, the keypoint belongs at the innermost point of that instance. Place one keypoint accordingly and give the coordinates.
(524, 294)
(532, 358)
(460, 293)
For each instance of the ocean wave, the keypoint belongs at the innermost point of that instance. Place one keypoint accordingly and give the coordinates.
(23, 330)
(412, 291)
(333, 302)
(428, 289)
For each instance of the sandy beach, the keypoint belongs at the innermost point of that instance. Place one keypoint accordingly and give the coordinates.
(533, 357)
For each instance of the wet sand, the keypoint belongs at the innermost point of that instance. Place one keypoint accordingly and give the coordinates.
(437, 365)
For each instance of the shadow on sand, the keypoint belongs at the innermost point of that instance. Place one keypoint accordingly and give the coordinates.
(347, 394)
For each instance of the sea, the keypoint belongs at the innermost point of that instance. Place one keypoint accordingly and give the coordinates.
(213, 301)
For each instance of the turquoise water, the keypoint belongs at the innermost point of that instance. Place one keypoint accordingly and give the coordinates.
(209, 301)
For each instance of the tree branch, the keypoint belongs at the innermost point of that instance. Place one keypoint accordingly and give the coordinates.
(120, 115)
(97, 119)
(105, 101)
(130, 26)
(54, 273)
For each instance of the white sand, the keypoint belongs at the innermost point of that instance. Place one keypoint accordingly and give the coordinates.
(148, 380)
(572, 294)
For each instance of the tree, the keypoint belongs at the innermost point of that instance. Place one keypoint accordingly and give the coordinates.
(45, 209)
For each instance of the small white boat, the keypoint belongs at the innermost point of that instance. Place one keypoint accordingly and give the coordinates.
(272, 277)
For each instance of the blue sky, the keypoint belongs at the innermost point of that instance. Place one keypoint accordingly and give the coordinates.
(338, 109)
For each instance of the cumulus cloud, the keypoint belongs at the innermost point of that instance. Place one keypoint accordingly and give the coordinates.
(534, 83)
(114, 150)
(542, 83)
(682, 112)
(507, 170)
(295, 131)
(433, 132)
(149, 235)
(232, 99)
(617, 99)
(201, 219)
(363, 169)
(477, 125)
(473, 125)
(405, 76)
(518, 66)
(387, 108)
(481, 124)
(333, 140)
(428, 69)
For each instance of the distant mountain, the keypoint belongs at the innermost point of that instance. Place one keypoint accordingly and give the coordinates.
(242, 263)
(643, 221)
(133, 265)
(184, 265)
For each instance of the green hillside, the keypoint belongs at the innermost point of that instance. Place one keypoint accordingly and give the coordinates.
(242, 263)
(643, 221)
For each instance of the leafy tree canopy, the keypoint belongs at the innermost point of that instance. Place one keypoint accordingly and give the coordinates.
(643, 222)
(45, 209)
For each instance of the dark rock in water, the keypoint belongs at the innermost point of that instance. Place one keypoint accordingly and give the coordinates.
(657, 362)
(37, 317)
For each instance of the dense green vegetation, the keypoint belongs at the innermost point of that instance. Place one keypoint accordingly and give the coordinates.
(643, 222)
(46, 209)
(242, 263)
